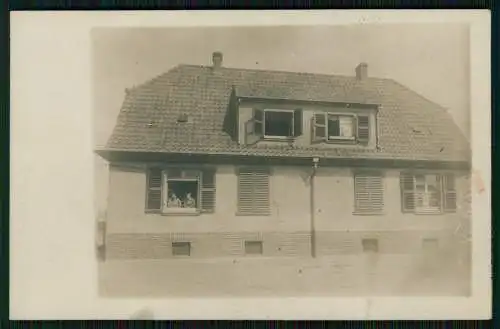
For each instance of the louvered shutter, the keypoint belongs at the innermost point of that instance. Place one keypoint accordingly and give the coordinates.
(363, 129)
(369, 193)
(253, 191)
(208, 190)
(407, 192)
(450, 193)
(153, 193)
(297, 122)
(318, 127)
(254, 128)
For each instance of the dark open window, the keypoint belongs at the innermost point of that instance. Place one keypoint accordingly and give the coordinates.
(268, 123)
(278, 124)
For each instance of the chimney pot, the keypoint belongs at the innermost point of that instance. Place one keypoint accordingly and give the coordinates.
(217, 59)
(362, 71)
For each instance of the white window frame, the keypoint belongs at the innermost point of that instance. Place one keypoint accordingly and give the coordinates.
(354, 118)
(268, 137)
(426, 194)
(181, 211)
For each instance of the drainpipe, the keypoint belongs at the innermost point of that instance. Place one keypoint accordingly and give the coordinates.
(313, 207)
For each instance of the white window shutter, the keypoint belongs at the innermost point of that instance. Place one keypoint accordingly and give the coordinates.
(253, 191)
(369, 193)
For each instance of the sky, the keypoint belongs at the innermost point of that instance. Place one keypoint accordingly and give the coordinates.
(432, 59)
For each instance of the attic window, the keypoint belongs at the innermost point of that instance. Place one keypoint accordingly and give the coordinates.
(340, 127)
(273, 124)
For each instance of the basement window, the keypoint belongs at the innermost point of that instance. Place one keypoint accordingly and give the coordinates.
(253, 247)
(181, 248)
(370, 245)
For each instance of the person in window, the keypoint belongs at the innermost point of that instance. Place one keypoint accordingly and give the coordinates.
(174, 201)
(189, 202)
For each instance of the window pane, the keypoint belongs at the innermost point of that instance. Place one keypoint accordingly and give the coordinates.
(278, 123)
(420, 180)
(182, 194)
(345, 124)
(333, 127)
(432, 181)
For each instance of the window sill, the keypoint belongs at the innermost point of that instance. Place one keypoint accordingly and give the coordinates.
(341, 141)
(195, 212)
(368, 213)
(278, 138)
(241, 214)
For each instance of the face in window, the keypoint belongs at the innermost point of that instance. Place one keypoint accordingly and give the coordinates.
(182, 193)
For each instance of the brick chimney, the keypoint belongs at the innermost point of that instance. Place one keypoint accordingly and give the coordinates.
(362, 71)
(217, 59)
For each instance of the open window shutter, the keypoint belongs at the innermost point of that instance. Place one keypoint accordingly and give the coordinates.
(254, 128)
(407, 192)
(363, 129)
(369, 193)
(450, 193)
(208, 190)
(297, 122)
(153, 193)
(319, 127)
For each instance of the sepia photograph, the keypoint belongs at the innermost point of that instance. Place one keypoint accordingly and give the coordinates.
(325, 165)
(283, 161)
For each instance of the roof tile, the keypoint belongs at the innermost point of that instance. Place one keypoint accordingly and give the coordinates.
(410, 126)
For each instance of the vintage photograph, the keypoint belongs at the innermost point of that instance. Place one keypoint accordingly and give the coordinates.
(283, 161)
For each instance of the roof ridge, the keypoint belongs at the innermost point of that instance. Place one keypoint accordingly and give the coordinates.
(281, 71)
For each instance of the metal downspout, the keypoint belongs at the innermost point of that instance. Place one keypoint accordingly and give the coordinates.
(313, 207)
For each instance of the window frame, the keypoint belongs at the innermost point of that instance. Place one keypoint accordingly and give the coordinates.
(441, 191)
(333, 139)
(354, 139)
(202, 189)
(254, 135)
(270, 137)
(181, 211)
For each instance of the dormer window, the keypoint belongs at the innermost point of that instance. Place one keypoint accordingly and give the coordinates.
(273, 124)
(340, 128)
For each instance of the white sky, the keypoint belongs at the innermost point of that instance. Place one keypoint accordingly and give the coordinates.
(431, 59)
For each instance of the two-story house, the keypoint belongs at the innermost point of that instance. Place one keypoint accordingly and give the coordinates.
(209, 161)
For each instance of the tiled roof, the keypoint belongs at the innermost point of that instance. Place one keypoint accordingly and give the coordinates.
(410, 127)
